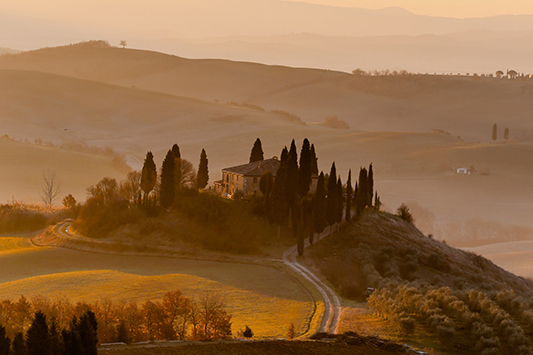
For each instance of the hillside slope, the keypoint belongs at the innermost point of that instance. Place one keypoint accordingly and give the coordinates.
(386, 249)
(463, 106)
(22, 166)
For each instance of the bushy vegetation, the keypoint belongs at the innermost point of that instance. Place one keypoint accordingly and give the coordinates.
(463, 320)
(421, 283)
(18, 218)
(175, 317)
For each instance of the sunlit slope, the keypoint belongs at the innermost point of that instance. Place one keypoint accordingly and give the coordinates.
(12, 245)
(262, 297)
(464, 106)
(22, 166)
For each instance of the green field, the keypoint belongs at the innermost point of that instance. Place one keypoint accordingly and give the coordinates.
(263, 297)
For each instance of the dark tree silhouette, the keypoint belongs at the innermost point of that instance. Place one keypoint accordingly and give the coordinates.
(248, 333)
(202, 177)
(257, 152)
(265, 185)
(494, 132)
(349, 193)
(176, 151)
(362, 192)
(319, 207)
(332, 198)
(278, 200)
(55, 337)
(19, 345)
(148, 175)
(166, 193)
(370, 186)
(340, 201)
(291, 183)
(506, 134)
(37, 337)
(314, 161)
(5, 342)
(304, 172)
(86, 329)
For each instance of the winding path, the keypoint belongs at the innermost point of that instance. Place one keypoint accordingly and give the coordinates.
(332, 305)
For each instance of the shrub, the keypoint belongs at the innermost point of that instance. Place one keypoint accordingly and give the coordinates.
(248, 333)
(404, 213)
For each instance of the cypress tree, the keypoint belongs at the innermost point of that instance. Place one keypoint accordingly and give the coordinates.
(278, 198)
(86, 328)
(291, 182)
(176, 151)
(148, 175)
(340, 201)
(257, 152)
(167, 181)
(370, 186)
(5, 342)
(304, 172)
(332, 199)
(314, 161)
(506, 134)
(19, 346)
(349, 197)
(55, 337)
(37, 337)
(494, 132)
(265, 185)
(319, 207)
(202, 177)
(362, 192)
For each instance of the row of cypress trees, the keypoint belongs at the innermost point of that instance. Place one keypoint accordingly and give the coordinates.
(173, 171)
(288, 198)
(42, 339)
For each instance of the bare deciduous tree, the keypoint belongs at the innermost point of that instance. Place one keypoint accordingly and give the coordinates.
(123, 43)
(51, 188)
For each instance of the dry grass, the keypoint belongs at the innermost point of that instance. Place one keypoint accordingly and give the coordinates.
(264, 298)
(15, 244)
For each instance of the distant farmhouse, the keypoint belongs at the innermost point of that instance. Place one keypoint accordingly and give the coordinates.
(463, 171)
(245, 177)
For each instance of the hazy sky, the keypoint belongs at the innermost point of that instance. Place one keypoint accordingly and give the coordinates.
(451, 8)
(448, 8)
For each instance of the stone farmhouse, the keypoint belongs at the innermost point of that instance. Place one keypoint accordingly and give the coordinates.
(245, 177)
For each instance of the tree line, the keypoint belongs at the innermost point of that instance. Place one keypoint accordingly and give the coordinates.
(289, 199)
(48, 338)
(66, 327)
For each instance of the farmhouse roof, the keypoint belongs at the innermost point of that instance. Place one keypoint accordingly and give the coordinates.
(257, 168)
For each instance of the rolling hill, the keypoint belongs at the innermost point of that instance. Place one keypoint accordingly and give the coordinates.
(464, 106)
(23, 165)
(136, 101)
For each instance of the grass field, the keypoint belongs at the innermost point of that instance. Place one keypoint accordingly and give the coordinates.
(13, 245)
(262, 297)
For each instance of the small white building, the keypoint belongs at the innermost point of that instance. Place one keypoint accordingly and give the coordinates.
(463, 171)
